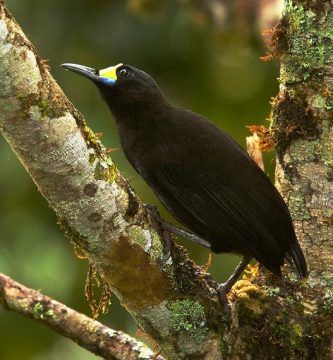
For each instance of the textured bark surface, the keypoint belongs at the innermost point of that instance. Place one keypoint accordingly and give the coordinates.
(303, 127)
(297, 324)
(175, 302)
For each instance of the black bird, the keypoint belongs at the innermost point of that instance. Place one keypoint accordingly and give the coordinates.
(199, 173)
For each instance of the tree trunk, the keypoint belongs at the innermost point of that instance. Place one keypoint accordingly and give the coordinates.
(302, 127)
(175, 302)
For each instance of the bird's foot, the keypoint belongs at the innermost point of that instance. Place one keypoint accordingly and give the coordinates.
(186, 234)
(152, 211)
(167, 248)
(166, 235)
(222, 291)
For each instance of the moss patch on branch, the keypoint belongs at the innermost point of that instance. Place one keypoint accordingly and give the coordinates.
(189, 316)
(302, 45)
(41, 312)
(308, 46)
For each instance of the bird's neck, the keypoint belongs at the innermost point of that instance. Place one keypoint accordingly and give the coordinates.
(141, 115)
(140, 127)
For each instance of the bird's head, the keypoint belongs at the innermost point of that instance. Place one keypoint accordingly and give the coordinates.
(122, 86)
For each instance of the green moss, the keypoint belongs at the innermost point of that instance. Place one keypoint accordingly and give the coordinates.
(328, 281)
(44, 109)
(50, 313)
(188, 316)
(308, 45)
(327, 145)
(304, 150)
(293, 277)
(287, 334)
(105, 170)
(328, 101)
(328, 300)
(273, 291)
(40, 313)
(327, 213)
(322, 102)
(297, 206)
(90, 136)
(296, 331)
(92, 158)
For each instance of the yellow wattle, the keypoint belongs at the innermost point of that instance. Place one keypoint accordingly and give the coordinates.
(110, 72)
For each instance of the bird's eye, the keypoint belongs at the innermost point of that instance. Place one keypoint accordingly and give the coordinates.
(124, 72)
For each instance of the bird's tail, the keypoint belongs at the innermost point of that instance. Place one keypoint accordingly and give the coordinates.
(296, 255)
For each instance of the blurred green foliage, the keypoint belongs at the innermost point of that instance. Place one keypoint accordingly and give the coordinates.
(216, 73)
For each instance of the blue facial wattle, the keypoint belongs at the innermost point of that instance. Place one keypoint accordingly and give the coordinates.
(107, 81)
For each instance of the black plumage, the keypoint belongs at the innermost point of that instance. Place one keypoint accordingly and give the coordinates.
(201, 175)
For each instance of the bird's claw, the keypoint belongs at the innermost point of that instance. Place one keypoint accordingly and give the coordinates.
(155, 215)
(167, 247)
(222, 291)
(153, 212)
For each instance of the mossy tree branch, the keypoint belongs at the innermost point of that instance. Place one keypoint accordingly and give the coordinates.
(88, 333)
(175, 302)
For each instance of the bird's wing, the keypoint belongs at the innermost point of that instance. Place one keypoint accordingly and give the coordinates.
(233, 200)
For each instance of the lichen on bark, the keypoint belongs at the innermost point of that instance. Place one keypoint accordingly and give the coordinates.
(305, 152)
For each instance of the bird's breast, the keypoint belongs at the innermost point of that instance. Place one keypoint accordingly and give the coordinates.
(143, 147)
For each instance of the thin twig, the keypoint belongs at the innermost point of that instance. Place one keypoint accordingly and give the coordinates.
(88, 333)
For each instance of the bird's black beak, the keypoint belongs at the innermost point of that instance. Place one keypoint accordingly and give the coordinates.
(85, 71)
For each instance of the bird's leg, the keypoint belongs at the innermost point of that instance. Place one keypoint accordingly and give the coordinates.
(224, 288)
(167, 246)
(186, 234)
(168, 228)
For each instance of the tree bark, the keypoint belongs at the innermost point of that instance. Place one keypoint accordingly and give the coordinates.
(88, 333)
(175, 302)
(302, 127)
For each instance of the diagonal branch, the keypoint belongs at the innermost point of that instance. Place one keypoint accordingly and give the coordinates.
(88, 333)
